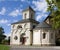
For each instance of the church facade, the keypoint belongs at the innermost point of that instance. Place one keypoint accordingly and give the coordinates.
(28, 31)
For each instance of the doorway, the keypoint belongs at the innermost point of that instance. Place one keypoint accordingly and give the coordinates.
(22, 38)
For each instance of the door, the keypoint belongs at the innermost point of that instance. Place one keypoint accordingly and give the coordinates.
(22, 39)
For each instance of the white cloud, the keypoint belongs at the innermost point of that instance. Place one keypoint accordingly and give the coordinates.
(3, 21)
(15, 20)
(40, 6)
(16, 13)
(38, 17)
(2, 12)
(22, 0)
(41, 16)
(26, 1)
(8, 24)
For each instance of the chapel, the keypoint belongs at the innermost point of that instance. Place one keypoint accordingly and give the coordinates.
(28, 31)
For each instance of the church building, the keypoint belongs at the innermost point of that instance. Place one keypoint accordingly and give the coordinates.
(28, 31)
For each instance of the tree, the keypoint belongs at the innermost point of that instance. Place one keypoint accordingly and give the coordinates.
(54, 8)
(6, 41)
(2, 36)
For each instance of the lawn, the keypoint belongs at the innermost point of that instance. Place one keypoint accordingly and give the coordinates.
(4, 47)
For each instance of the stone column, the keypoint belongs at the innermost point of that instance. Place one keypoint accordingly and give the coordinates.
(31, 37)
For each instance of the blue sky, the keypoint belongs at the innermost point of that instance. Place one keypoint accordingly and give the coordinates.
(11, 11)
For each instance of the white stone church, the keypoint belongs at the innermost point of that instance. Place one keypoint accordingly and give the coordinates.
(28, 31)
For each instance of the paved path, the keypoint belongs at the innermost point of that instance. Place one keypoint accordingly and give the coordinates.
(34, 48)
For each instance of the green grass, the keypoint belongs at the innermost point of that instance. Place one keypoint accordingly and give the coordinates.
(4, 47)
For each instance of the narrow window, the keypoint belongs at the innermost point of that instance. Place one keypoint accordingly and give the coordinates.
(33, 26)
(44, 35)
(59, 31)
(31, 15)
(25, 15)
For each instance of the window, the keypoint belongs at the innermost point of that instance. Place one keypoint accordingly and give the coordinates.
(19, 26)
(25, 15)
(33, 26)
(59, 31)
(21, 36)
(44, 35)
(31, 15)
(15, 37)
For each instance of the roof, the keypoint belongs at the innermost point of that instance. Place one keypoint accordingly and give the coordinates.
(26, 20)
(42, 25)
(28, 8)
(48, 17)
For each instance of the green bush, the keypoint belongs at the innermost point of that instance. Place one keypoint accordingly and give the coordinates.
(5, 41)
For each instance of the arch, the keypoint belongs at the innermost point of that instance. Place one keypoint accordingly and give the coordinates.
(44, 35)
(19, 26)
(22, 38)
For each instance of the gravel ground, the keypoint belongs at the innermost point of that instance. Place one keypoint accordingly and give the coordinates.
(35, 48)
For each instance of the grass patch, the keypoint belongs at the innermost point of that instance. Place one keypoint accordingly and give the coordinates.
(4, 47)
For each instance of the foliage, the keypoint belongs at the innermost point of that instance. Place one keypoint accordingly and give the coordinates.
(54, 8)
(6, 41)
(2, 36)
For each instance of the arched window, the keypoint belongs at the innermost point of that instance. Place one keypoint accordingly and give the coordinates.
(15, 37)
(44, 35)
(31, 15)
(25, 15)
(33, 26)
(19, 26)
